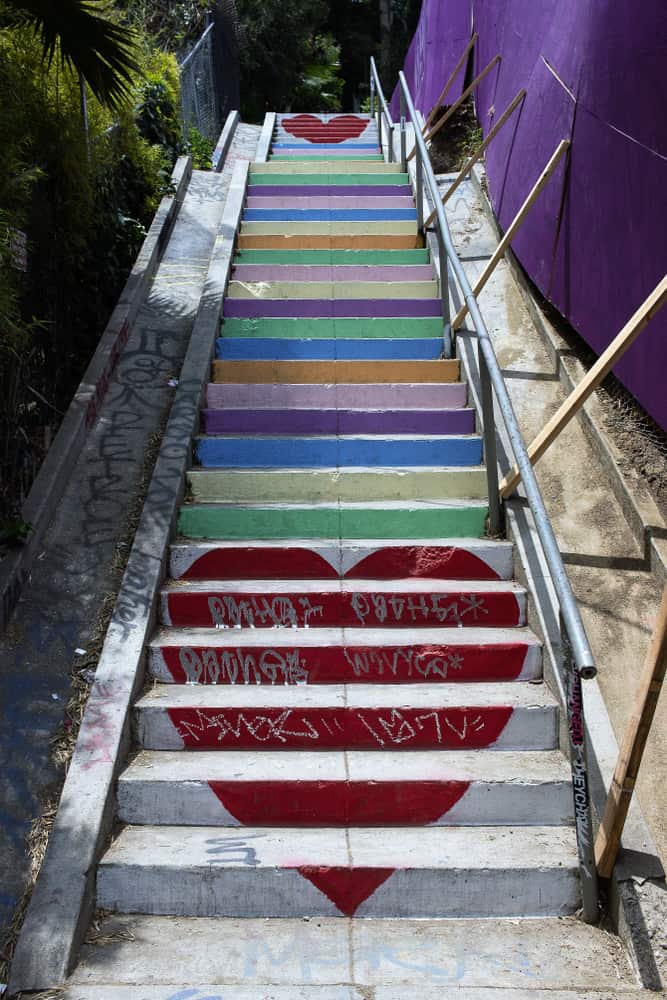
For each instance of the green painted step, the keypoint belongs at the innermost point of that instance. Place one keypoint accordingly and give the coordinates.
(328, 180)
(413, 520)
(330, 328)
(324, 257)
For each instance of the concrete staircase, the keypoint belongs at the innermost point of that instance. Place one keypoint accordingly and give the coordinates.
(346, 713)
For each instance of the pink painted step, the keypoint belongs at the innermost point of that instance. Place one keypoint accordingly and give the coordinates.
(375, 396)
(315, 657)
(402, 604)
(344, 272)
(472, 559)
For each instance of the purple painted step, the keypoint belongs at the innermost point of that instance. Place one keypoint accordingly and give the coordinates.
(287, 201)
(311, 308)
(340, 272)
(388, 395)
(306, 190)
(302, 421)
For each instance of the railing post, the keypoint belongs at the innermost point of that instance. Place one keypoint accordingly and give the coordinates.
(380, 127)
(444, 296)
(580, 783)
(404, 159)
(390, 142)
(420, 193)
(496, 523)
(372, 94)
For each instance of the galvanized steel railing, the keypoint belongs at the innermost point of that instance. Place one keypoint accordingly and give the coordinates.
(577, 657)
(382, 113)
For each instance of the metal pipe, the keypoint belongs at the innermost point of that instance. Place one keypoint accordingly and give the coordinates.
(583, 656)
(420, 194)
(490, 452)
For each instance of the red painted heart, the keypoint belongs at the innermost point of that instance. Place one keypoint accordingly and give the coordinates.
(313, 129)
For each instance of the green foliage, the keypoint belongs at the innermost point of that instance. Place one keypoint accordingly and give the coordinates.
(320, 87)
(200, 149)
(169, 23)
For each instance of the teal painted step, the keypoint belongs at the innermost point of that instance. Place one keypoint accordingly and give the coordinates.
(358, 257)
(329, 328)
(409, 520)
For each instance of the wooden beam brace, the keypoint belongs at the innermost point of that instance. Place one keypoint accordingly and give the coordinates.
(445, 89)
(619, 345)
(457, 104)
(540, 183)
(467, 167)
(608, 839)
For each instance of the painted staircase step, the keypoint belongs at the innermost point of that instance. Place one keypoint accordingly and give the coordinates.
(341, 155)
(332, 485)
(289, 143)
(334, 327)
(407, 872)
(331, 202)
(322, 349)
(277, 188)
(280, 227)
(373, 450)
(395, 604)
(347, 241)
(301, 179)
(307, 289)
(504, 715)
(335, 372)
(340, 274)
(306, 307)
(343, 421)
(468, 559)
(347, 788)
(559, 958)
(296, 655)
(390, 520)
(333, 258)
(327, 168)
(392, 396)
(296, 214)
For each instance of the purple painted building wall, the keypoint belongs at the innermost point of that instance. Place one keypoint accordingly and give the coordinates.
(595, 242)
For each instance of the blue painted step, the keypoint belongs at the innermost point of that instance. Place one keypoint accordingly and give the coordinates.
(271, 348)
(327, 452)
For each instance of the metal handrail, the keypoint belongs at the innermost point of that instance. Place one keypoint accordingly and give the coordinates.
(578, 660)
(382, 111)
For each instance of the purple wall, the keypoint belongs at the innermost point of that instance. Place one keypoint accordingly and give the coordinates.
(596, 240)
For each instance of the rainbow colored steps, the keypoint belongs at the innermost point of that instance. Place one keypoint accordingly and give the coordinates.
(333, 601)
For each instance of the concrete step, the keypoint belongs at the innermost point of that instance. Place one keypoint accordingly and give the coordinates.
(346, 959)
(355, 228)
(405, 872)
(326, 168)
(256, 307)
(338, 273)
(391, 396)
(333, 485)
(334, 327)
(331, 202)
(338, 421)
(410, 603)
(286, 178)
(466, 559)
(336, 372)
(502, 716)
(294, 655)
(347, 788)
(365, 188)
(340, 155)
(386, 520)
(321, 290)
(297, 214)
(329, 241)
(326, 451)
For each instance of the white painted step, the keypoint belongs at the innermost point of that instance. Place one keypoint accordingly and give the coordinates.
(343, 555)
(160, 958)
(343, 655)
(393, 872)
(503, 716)
(495, 787)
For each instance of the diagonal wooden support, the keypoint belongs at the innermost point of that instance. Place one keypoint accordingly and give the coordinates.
(619, 345)
(445, 89)
(457, 104)
(470, 163)
(513, 228)
(623, 783)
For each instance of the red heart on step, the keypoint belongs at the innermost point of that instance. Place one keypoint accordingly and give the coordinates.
(313, 129)
(347, 888)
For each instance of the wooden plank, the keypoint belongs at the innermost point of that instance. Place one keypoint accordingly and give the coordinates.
(470, 163)
(513, 228)
(457, 104)
(619, 345)
(445, 89)
(639, 725)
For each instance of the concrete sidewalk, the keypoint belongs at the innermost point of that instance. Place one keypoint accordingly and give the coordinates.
(90, 535)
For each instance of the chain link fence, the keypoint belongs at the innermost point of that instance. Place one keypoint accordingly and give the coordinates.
(210, 75)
